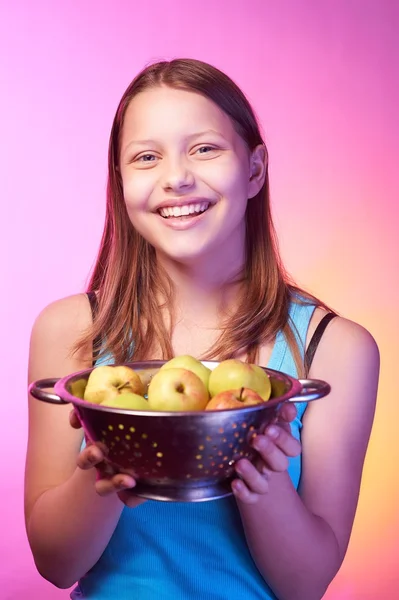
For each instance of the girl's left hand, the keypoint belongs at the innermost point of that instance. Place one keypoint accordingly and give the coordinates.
(274, 446)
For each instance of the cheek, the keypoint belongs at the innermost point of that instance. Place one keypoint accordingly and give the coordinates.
(229, 178)
(136, 192)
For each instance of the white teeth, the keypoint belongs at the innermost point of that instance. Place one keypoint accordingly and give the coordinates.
(187, 209)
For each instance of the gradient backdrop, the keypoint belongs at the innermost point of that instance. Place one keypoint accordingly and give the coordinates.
(323, 77)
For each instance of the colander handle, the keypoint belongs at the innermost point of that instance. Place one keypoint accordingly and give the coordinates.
(36, 389)
(312, 389)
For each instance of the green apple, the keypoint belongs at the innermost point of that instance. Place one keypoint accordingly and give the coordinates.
(177, 389)
(106, 382)
(127, 400)
(234, 399)
(185, 361)
(233, 374)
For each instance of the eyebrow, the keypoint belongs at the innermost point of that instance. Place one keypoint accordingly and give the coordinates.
(149, 142)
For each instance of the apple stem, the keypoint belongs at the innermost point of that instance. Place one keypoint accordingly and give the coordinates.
(241, 393)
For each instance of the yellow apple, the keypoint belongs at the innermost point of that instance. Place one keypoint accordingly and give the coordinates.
(177, 390)
(234, 399)
(105, 382)
(233, 374)
(127, 400)
(185, 361)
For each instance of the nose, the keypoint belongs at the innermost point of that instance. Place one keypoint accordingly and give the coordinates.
(177, 176)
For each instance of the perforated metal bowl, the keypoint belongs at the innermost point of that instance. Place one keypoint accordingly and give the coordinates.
(177, 456)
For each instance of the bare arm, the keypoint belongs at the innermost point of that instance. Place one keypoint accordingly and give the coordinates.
(67, 522)
(299, 541)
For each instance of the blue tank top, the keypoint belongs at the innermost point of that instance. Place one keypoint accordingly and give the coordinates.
(182, 551)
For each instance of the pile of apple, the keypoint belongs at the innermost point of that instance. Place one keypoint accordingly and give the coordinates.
(181, 384)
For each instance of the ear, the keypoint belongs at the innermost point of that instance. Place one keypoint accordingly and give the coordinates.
(258, 170)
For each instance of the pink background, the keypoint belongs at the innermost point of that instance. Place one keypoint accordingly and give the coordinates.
(323, 77)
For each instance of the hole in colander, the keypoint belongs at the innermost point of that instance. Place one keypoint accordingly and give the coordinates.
(210, 456)
(120, 426)
(136, 445)
(224, 439)
(117, 438)
(221, 466)
(208, 438)
(103, 433)
(221, 430)
(234, 425)
(144, 436)
(236, 434)
(188, 476)
(128, 437)
(241, 440)
(244, 425)
(199, 456)
(158, 463)
(154, 445)
(132, 429)
(110, 427)
(201, 447)
(160, 454)
(200, 466)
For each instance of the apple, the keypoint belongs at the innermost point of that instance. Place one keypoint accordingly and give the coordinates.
(233, 374)
(177, 389)
(185, 361)
(234, 399)
(127, 400)
(106, 382)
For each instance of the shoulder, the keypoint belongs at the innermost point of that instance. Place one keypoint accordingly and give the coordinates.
(347, 358)
(61, 324)
(72, 312)
(343, 340)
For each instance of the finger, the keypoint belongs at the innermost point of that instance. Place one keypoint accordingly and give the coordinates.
(117, 483)
(287, 412)
(74, 420)
(243, 493)
(90, 457)
(256, 481)
(275, 447)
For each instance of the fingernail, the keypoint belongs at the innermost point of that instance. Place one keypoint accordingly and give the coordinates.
(259, 443)
(272, 432)
(238, 485)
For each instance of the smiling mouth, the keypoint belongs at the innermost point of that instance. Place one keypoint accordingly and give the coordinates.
(186, 211)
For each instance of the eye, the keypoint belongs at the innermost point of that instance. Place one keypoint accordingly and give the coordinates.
(145, 158)
(205, 149)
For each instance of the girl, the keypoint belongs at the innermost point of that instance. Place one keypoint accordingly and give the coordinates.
(189, 265)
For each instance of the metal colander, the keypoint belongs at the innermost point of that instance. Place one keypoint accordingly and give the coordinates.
(177, 456)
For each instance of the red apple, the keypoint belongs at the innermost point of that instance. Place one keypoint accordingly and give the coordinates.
(234, 399)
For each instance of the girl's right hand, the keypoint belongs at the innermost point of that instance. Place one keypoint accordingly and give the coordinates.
(109, 481)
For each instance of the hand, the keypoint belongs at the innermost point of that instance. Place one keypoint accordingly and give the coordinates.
(274, 447)
(109, 481)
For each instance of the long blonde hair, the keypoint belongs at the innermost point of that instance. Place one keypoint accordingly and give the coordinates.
(125, 275)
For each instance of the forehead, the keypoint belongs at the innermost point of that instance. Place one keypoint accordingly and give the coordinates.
(163, 110)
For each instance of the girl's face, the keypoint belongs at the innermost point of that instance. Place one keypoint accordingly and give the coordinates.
(187, 175)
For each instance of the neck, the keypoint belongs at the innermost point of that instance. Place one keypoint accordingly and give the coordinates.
(205, 288)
